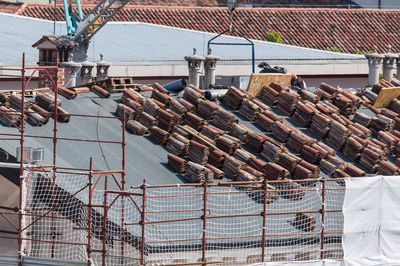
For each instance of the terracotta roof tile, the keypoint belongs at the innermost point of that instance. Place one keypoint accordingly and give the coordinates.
(10, 7)
(254, 3)
(347, 29)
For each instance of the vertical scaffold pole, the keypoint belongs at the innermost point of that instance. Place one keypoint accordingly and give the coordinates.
(55, 83)
(104, 254)
(142, 222)
(204, 218)
(21, 169)
(323, 218)
(89, 236)
(123, 188)
(264, 216)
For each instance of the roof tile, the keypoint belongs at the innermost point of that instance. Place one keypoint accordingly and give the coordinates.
(348, 29)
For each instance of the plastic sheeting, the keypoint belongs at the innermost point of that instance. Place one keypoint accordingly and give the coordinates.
(371, 212)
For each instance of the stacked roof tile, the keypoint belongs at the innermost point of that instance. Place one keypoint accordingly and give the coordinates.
(218, 143)
(225, 141)
(347, 29)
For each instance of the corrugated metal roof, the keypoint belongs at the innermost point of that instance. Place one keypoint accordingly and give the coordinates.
(134, 41)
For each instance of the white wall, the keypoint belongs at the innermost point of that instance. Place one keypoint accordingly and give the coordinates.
(347, 72)
(241, 68)
(343, 73)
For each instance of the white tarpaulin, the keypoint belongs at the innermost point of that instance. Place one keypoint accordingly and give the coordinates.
(371, 210)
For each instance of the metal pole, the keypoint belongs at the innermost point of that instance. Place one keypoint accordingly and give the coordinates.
(264, 222)
(123, 187)
(323, 218)
(89, 236)
(143, 217)
(210, 41)
(105, 222)
(54, 17)
(253, 63)
(204, 218)
(55, 82)
(21, 169)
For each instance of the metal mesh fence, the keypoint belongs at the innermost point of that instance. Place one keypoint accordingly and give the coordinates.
(223, 224)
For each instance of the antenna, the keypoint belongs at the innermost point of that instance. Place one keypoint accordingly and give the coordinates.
(231, 4)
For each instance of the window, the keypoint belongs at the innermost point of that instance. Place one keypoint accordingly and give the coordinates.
(60, 56)
(66, 53)
(49, 57)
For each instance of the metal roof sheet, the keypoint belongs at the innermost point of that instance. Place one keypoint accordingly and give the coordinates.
(135, 41)
(147, 160)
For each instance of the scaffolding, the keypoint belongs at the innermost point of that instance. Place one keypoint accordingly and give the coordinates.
(72, 215)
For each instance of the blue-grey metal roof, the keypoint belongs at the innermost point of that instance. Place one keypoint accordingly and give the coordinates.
(147, 160)
(134, 41)
(144, 158)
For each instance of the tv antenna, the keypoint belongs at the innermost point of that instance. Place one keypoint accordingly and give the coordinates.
(231, 4)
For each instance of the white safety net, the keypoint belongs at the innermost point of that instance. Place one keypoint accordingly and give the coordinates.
(53, 215)
(223, 225)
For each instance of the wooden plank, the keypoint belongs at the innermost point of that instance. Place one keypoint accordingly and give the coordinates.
(259, 80)
(385, 96)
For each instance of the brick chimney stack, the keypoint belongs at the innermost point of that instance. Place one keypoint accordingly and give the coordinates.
(53, 50)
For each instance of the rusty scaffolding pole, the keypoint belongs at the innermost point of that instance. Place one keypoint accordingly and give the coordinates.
(55, 170)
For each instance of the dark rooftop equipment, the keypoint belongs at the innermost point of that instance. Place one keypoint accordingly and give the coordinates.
(176, 86)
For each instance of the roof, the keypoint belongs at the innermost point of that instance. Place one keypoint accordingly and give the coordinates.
(24, 33)
(136, 44)
(144, 160)
(10, 7)
(348, 29)
(60, 41)
(254, 3)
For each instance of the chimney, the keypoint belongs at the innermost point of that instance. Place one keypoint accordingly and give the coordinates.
(52, 49)
(195, 64)
(86, 71)
(71, 70)
(389, 65)
(374, 62)
(102, 68)
(210, 66)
